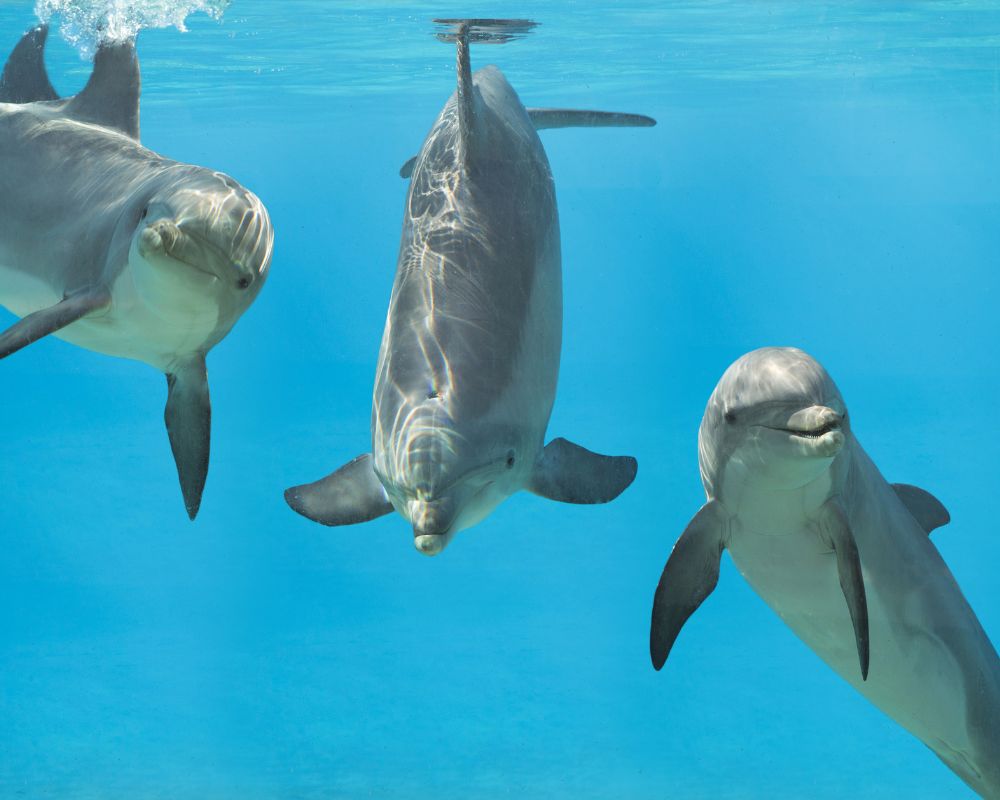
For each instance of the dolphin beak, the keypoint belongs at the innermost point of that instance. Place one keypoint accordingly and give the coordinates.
(430, 544)
(819, 428)
(433, 524)
(164, 237)
(159, 238)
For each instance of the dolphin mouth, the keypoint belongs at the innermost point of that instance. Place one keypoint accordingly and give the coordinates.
(815, 433)
(165, 238)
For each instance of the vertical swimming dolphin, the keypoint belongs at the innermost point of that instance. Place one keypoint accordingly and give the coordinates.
(467, 370)
(842, 556)
(114, 248)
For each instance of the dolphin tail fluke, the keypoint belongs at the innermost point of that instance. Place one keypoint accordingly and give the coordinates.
(545, 118)
(350, 495)
(24, 79)
(836, 530)
(189, 425)
(111, 96)
(925, 507)
(571, 474)
(49, 320)
(483, 31)
(690, 575)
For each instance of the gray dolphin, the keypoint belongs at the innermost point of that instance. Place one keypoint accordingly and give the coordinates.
(843, 557)
(114, 248)
(466, 375)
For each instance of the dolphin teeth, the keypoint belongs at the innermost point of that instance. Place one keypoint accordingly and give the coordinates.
(815, 434)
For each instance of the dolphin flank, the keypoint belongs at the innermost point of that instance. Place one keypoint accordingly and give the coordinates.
(114, 248)
(467, 370)
(842, 556)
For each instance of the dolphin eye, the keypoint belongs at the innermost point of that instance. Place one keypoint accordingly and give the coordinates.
(510, 459)
(729, 417)
(144, 213)
(243, 283)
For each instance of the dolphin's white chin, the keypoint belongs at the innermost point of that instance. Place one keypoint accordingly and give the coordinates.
(429, 544)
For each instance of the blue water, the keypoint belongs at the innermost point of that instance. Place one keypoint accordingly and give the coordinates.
(822, 175)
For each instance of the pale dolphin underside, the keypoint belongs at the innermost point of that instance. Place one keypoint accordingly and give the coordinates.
(110, 246)
(467, 371)
(842, 556)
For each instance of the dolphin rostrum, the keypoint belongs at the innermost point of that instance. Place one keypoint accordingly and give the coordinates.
(114, 248)
(842, 556)
(466, 375)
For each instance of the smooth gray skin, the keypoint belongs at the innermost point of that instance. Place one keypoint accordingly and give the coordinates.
(788, 487)
(467, 369)
(110, 246)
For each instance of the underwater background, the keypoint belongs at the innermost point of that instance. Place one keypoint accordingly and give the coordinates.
(823, 175)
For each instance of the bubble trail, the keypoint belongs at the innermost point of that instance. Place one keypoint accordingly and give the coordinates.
(87, 23)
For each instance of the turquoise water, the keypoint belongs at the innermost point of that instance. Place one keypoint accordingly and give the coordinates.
(825, 176)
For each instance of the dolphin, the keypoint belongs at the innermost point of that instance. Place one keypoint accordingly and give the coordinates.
(466, 373)
(842, 556)
(116, 249)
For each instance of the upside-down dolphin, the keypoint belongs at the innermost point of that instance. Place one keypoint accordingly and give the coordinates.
(467, 370)
(842, 556)
(114, 248)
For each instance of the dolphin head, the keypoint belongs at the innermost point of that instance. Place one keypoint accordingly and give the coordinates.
(199, 243)
(776, 415)
(442, 480)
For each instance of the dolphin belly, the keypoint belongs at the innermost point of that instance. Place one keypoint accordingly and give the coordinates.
(917, 677)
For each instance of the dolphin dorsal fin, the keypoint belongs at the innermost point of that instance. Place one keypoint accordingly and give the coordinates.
(111, 96)
(24, 78)
(925, 507)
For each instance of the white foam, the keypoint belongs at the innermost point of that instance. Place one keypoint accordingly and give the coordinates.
(87, 23)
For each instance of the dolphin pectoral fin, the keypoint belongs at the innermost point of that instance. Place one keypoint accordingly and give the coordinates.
(350, 495)
(49, 320)
(24, 78)
(189, 425)
(545, 118)
(691, 573)
(111, 96)
(836, 530)
(925, 507)
(570, 474)
(406, 170)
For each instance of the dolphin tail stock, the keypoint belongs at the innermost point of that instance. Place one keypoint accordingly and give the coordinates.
(24, 79)
(350, 495)
(111, 96)
(925, 507)
(572, 474)
(49, 320)
(690, 575)
(188, 417)
(546, 118)
(835, 529)
(482, 31)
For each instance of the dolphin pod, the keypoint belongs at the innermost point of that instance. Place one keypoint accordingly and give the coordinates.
(467, 370)
(842, 556)
(114, 248)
